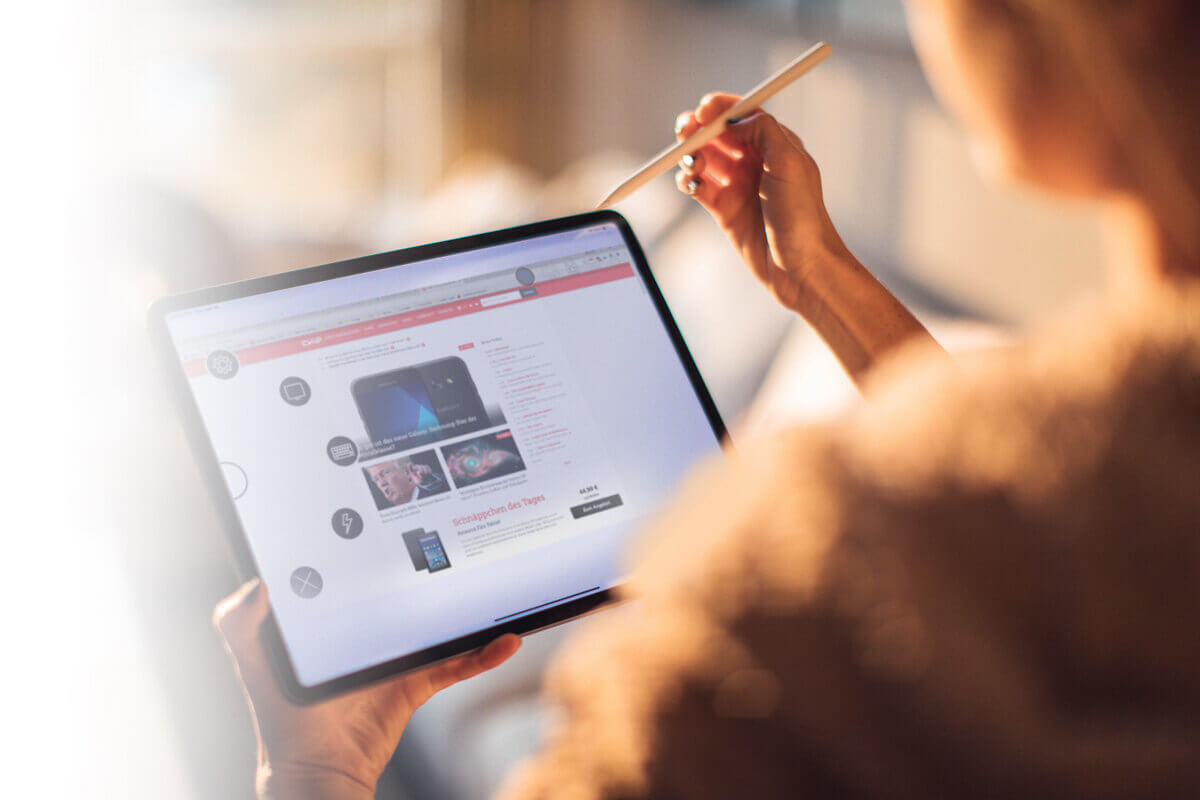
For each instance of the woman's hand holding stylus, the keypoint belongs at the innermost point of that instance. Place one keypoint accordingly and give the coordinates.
(764, 191)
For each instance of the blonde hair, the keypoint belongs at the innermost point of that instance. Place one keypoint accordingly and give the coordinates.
(1138, 63)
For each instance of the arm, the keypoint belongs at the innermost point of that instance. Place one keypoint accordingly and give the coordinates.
(856, 316)
(764, 191)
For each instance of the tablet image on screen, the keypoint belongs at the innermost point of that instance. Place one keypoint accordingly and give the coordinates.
(436, 445)
(435, 555)
(425, 550)
(412, 542)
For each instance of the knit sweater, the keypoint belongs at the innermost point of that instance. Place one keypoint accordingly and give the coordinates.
(983, 582)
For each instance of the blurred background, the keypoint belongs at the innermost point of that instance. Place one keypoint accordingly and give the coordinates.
(203, 141)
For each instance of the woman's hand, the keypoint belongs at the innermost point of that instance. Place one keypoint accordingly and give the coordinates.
(336, 748)
(764, 190)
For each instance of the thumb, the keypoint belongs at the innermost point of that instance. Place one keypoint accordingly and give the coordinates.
(239, 618)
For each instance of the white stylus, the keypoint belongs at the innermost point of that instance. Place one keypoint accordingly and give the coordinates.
(664, 161)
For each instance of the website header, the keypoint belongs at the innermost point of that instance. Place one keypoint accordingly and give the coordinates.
(189, 325)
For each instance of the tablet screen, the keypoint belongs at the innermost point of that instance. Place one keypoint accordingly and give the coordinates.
(420, 452)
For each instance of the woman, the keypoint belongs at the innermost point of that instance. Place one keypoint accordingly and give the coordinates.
(986, 581)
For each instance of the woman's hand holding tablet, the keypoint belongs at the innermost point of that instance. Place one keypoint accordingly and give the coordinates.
(338, 748)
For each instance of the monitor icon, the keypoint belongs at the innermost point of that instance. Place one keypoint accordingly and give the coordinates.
(295, 391)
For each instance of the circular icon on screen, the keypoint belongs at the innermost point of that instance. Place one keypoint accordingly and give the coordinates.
(342, 451)
(295, 391)
(222, 364)
(307, 582)
(235, 479)
(347, 523)
(525, 276)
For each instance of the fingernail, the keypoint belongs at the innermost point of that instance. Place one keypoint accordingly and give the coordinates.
(693, 186)
(680, 121)
(688, 161)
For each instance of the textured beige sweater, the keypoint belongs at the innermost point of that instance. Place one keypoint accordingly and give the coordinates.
(986, 583)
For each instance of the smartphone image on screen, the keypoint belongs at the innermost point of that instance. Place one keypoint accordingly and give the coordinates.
(416, 405)
(435, 554)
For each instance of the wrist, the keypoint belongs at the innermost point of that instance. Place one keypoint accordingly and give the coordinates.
(822, 274)
(311, 783)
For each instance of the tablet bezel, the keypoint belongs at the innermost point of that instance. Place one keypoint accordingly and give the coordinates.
(210, 467)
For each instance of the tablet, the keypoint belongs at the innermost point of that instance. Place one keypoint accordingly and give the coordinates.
(420, 450)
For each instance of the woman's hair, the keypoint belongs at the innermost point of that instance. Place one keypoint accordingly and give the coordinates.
(1138, 63)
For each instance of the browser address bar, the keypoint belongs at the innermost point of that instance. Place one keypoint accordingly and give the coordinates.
(373, 308)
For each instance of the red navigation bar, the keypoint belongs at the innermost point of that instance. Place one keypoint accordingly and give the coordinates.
(412, 319)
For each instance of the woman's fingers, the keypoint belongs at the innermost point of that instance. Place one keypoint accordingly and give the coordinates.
(489, 657)
(693, 164)
(701, 188)
(686, 124)
(714, 104)
(710, 174)
(239, 619)
(690, 176)
(717, 167)
(499, 651)
(714, 162)
(781, 151)
(239, 616)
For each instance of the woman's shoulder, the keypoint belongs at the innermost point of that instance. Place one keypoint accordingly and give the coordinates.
(974, 536)
(1106, 382)
(1090, 421)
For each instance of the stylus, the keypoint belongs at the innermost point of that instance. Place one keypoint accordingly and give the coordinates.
(664, 161)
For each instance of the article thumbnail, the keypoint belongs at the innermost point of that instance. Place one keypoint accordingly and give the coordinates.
(398, 481)
(483, 458)
(418, 405)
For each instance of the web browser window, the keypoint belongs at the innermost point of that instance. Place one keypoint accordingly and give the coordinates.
(420, 452)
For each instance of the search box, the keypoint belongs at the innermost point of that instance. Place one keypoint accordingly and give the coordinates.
(503, 297)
